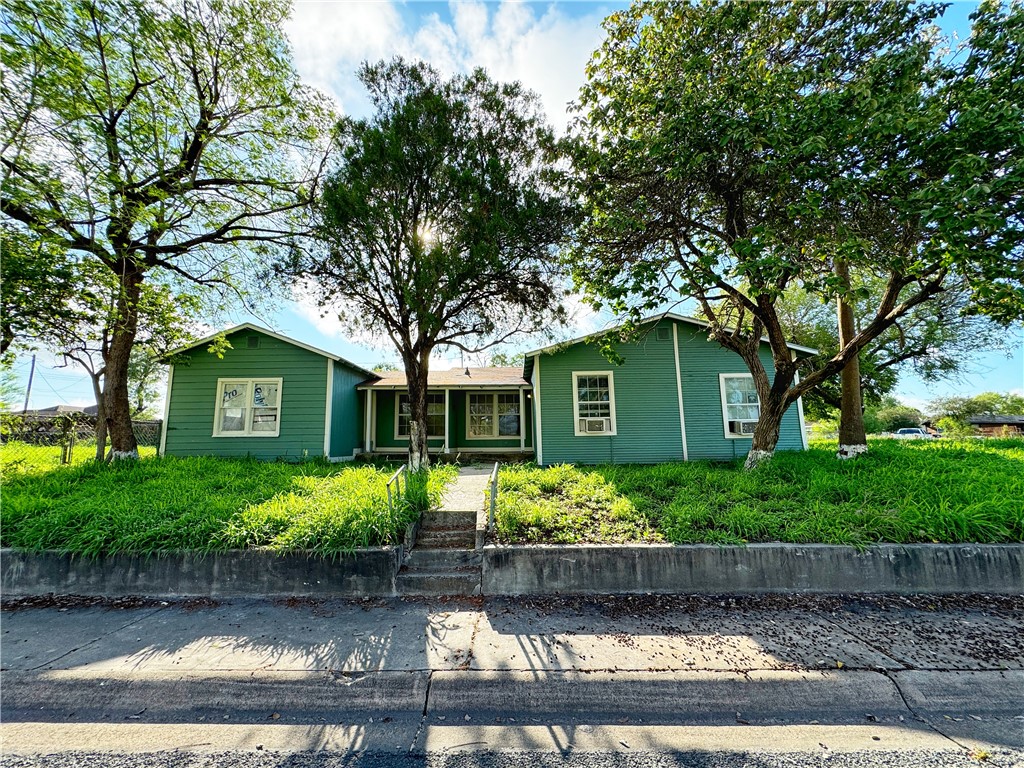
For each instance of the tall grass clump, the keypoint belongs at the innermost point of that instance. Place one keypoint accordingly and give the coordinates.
(564, 504)
(206, 504)
(901, 492)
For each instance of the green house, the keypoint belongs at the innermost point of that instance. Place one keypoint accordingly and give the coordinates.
(677, 396)
(267, 396)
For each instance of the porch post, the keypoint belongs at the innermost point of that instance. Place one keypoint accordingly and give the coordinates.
(522, 422)
(373, 421)
(447, 416)
(366, 422)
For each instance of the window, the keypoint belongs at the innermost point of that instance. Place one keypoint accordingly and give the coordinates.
(740, 406)
(435, 415)
(594, 402)
(248, 408)
(492, 415)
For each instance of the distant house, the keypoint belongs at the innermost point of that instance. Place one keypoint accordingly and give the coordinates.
(60, 410)
(677, 396)
(998, 425)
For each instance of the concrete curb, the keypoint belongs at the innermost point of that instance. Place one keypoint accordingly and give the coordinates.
(757, 568)
(362, 573)
(521, 570)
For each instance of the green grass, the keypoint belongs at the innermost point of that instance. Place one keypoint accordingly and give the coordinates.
(18, 458)
(902, 491)
(207, 504)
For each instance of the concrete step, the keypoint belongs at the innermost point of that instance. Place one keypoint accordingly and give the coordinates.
(446, 539)
(442, 559)
(465, 582)
(448, 519)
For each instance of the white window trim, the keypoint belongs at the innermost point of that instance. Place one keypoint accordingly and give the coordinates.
(494, 413)
(576, 404)
(406, 438)
(249, 383)
(725, 406)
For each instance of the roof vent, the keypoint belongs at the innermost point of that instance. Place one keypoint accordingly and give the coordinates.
(663, 333)
(253, 342)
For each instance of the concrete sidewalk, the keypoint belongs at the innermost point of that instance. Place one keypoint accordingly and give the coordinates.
(661, 674)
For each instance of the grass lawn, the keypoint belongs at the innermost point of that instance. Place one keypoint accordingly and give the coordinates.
(205, 504)
(902, 491)
(21, 458)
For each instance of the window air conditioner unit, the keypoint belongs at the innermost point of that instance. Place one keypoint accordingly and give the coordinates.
(595, 426)
(742, 427)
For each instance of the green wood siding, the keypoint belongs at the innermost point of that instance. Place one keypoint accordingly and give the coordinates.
(700, 363)
(303, 399)
(347, 411)
(646, 404)
(647, 401)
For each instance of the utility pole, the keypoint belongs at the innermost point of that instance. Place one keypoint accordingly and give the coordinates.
(28, 389)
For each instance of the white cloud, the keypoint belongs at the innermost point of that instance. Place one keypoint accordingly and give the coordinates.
(331, 39)
(326, 321)
(545, 50)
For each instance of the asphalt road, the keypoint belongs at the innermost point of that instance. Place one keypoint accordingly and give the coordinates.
(642, 681)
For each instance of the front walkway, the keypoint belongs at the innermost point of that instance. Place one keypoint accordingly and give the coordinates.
(444, 560)
(466, 494)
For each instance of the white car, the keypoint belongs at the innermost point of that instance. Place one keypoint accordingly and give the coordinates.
(912, 433)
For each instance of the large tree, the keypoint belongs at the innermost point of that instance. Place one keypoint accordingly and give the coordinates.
(439, 224)
(38, 290)
(161, 140)
(733, 150)
(936, 341)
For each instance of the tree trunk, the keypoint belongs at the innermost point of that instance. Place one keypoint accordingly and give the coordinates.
(766, 433)
(772, 398)
(117, 405)
(853, 440)
(416, 370)
(101, 421)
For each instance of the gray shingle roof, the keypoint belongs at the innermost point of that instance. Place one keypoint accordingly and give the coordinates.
(499, 378)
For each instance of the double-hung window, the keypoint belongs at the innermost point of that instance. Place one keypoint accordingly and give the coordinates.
(492, 415)
(435, 415)
(594, 402)
(741, 407)
(247, 408)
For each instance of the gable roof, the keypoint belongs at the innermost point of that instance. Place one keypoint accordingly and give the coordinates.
(456, 378)
(996, 420)
(650, 319)
(272, 334)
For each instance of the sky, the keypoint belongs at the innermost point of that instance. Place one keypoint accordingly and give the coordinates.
(545, 45)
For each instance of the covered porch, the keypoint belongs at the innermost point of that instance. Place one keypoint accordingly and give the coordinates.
(469, 411)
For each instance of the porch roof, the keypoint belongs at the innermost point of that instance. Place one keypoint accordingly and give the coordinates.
(456, 378)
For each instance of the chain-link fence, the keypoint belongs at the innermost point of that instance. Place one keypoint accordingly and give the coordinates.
(37, 441)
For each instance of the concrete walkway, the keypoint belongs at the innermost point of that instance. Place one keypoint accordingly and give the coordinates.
(466, 494)
(754, 677)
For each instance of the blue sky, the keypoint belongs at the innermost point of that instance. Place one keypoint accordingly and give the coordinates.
(544, 45)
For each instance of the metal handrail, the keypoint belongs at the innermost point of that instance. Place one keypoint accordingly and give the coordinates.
(398, 486)
(494, 497)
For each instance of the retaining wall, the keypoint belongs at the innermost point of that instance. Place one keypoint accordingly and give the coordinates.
(756, 568)
(362, 573)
